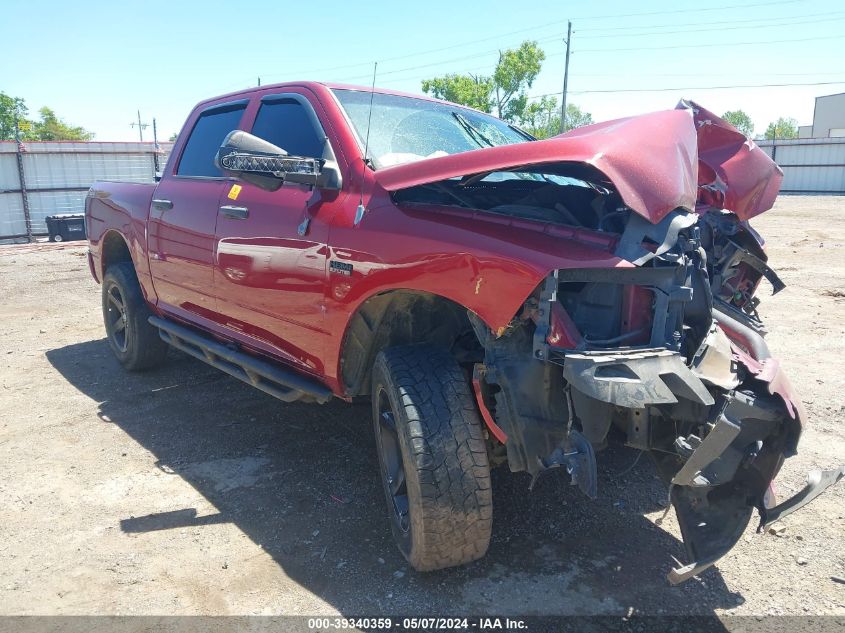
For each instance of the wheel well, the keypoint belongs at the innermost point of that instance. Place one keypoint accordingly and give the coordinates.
(401, 317)
(115, 250)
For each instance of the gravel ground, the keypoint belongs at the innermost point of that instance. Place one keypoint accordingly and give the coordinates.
(183, 491)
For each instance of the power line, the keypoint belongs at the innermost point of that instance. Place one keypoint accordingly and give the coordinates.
(433, 50)
(403, 77)
(534, 28)
(723, 75)
(399, 71)
(448, 61)
(699, 29)
(670, 25)
(594, 50)
(438, 63)
(673, 89)
(820, 75)
(710, 45)
(697, 10)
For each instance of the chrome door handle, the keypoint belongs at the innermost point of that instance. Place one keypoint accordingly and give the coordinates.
(162, 204)
(236, 213)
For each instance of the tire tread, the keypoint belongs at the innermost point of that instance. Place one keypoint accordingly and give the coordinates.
(147, 349)
(449, 466)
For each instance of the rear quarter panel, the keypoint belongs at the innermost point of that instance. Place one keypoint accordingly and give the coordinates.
(120, 208)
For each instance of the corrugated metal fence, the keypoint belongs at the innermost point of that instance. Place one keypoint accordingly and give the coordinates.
(56, 175)
(38, 179)
(810, 165)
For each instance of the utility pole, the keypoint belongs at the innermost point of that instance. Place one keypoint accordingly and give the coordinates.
(141, 127)
(565, 79)
(22, 177)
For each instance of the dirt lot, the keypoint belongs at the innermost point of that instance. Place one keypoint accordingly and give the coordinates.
(183, 491)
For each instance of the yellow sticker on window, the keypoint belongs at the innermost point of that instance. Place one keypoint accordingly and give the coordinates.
(234, 192)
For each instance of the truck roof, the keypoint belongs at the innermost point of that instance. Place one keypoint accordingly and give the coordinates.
(316, 85)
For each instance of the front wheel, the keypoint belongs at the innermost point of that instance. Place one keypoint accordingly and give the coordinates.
(432, 457)
(135, 343)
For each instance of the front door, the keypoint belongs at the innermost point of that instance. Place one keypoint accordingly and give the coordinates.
(270, 268)
(183, 215)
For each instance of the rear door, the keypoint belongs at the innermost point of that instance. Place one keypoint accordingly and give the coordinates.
(270, 269)
(183, 217)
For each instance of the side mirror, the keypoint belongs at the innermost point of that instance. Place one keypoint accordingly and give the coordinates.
(263, 164)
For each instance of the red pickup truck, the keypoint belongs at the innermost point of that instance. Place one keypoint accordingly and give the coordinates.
(498, 299)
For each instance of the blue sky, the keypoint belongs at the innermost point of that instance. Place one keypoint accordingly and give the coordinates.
(96, 63)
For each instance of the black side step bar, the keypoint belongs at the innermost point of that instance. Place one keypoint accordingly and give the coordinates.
(280, 382)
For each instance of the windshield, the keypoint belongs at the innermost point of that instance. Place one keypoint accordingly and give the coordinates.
(406, 129)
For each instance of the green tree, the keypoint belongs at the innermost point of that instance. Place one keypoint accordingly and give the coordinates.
(173, 137)
(516, 72)
(539, 118)
(542, 118)
(505, 90)
(576, 117)
(782, 128)
(52, 128)
(10, 108)
(470, 90)
(740, 120)
(48, 128)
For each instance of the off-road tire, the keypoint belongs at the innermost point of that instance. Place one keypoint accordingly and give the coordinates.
(447, 473)
(141, 346)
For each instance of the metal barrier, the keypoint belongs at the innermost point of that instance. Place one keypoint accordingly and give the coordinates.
(42, 178)
(810, 165)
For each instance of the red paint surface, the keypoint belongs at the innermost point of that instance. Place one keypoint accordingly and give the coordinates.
(494, 428)
(770, 372)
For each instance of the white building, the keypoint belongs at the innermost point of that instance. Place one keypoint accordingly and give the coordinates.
(828, 118)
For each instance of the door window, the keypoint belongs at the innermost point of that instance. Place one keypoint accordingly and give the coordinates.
(287, 124)
(205, 139)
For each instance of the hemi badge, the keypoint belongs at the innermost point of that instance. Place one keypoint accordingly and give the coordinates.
(340, 267)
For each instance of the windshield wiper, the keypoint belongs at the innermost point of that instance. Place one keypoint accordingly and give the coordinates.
(522, 133)
(472, 131)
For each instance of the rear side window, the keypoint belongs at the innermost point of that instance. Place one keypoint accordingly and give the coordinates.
(205, 139)
(287, 124)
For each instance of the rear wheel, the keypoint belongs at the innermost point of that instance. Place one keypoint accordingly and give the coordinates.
(432, 457)
(58, 237)
(135, 343)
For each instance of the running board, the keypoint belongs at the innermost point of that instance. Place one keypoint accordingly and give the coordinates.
(282, 383)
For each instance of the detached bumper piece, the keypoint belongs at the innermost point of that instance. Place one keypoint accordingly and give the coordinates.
(737, 518)
(817, 482)
(726, 476)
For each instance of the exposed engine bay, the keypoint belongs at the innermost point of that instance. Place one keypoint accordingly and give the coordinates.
(665, 351)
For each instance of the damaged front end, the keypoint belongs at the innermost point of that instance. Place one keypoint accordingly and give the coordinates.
(670, 354)
(666, 351)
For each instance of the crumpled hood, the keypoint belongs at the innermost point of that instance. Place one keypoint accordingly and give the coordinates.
(657, 162)
(733, 172)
